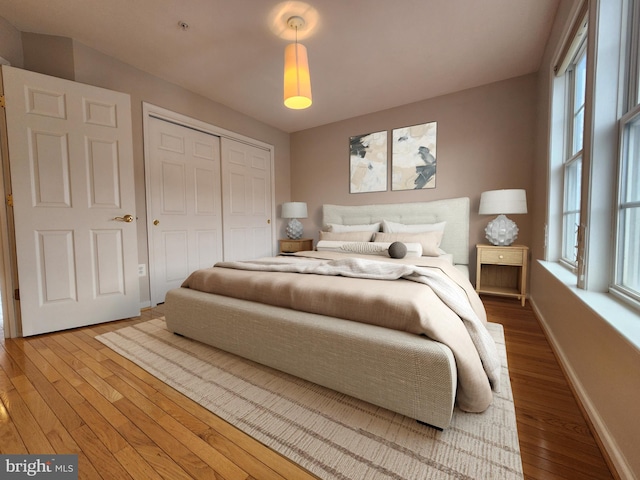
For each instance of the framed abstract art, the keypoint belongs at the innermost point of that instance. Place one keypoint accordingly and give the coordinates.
(368, 162)
(413, 157)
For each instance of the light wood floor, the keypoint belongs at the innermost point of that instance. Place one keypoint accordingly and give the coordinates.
(67, 393)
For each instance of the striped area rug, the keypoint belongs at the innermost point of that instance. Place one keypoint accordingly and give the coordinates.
(332, 435)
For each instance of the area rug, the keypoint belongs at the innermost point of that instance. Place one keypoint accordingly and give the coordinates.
(330, 434)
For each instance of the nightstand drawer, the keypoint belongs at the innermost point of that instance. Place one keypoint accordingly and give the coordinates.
(501, 256)
(292, 246)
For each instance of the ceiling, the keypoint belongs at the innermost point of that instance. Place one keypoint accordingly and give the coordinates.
(364, 55)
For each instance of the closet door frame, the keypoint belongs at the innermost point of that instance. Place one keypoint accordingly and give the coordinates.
(149, 110)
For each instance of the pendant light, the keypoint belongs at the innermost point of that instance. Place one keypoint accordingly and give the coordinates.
(297, 81)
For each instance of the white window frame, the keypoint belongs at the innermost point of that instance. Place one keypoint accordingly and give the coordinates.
(608, 60)
(626, 275)
(572, 164)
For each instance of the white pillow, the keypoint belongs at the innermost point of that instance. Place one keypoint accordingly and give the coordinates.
(430, 241)
(338, 228)
(370, 248)
(393, 227)
(347, 236)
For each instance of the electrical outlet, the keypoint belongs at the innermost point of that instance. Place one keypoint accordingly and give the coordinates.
(142, 270)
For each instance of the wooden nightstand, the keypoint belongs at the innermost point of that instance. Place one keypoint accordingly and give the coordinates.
(291, 246)
(502, 270)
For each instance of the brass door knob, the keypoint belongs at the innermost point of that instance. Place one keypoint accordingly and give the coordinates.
(126, 218)
(156, 222)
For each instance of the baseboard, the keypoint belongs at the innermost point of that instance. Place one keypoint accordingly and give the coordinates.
(608, 445)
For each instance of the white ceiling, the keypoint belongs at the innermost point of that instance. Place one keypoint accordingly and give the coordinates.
(364, 55)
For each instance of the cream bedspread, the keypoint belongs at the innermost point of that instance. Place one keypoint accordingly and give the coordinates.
(432, 299)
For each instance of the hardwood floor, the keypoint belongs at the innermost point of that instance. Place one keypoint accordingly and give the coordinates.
(67, 393)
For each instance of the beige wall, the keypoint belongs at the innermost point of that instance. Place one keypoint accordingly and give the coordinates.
(485, 142)
(601, 363)
(10, 44)
(48, 54)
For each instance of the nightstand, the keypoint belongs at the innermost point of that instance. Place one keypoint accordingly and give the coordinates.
(291, 246)
(502, 270)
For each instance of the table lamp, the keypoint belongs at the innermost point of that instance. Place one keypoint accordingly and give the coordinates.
(293, 211)
(501, 230)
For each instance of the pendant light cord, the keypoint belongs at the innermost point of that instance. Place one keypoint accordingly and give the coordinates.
(297, 63)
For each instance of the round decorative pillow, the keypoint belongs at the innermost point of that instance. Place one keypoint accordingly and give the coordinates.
(397, 250)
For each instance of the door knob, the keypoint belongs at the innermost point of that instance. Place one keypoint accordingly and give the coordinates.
(126, 218)
(156, 222)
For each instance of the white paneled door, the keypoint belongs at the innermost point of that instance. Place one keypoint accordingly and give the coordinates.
(185, 204)
(247, 203)
(71, 164)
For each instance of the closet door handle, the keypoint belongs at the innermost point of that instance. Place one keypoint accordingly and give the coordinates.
(126, 218)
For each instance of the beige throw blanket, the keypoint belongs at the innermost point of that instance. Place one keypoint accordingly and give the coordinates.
(416, 299)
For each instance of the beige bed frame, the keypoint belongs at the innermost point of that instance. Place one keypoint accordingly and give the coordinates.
(399, 371)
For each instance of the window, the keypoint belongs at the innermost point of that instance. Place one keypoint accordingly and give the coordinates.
(594, 151)
(574, 135)
(627, 271)
(628, 244)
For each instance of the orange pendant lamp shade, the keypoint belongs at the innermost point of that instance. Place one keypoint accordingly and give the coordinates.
(297, 81)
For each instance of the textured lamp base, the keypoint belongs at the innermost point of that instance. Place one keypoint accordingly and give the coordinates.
(294, 229)
(501, 231)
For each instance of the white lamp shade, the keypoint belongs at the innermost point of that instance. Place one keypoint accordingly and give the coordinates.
(496, 202)
(297, 79)
(294, 210)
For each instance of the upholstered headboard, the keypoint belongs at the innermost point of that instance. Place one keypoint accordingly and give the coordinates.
(454, 211)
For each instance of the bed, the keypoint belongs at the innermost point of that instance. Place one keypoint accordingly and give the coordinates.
(356, 353)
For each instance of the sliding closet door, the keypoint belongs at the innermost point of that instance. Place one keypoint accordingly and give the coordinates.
(184, 213)
(209, 197)
(247, 201)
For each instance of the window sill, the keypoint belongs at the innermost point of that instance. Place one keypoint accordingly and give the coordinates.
(620, 316)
